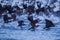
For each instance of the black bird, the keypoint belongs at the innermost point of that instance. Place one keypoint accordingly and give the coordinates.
(5, 18)
(49, 24)
(21, 23)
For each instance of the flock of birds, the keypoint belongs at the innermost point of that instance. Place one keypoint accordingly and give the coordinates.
(9, 14)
